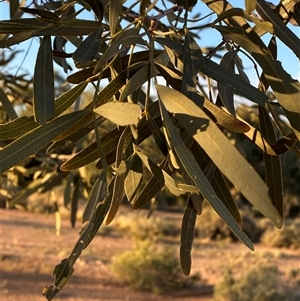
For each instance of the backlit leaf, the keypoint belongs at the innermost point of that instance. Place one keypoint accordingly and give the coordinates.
(187, 238)
(43, 84)
(217, 146)
(120, 113)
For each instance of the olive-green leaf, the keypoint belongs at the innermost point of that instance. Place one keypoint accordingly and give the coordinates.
(7, 105)
(272, 163)
(226, 93)
(43, 83)
(109, 142)
(97, 195)
(88, 49)
(226, 157)
(134, 177)
(192, 169)
(114, 13)
(33, 141)
(187, 238)
(97, 8)
(120, 113)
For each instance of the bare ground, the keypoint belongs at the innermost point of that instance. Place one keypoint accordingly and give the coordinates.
(30, 250)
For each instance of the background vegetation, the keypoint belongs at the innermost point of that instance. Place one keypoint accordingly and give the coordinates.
(160, 115)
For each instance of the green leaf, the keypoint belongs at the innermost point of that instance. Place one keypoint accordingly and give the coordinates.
(7, 105)
(74, 200)
(121, 113)
(43, 83)
(97, 8)
(97, 195)
(109, 143)
(33, 141)
(280, 29)
(115, 10)
(187, 238)
(226, 157)
(272, 163)
(124, 38)
(226, 93)
(286, 89)
(88, 49)
(134, 177)
(44, 14)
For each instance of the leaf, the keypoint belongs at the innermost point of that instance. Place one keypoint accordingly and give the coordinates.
(63, 271)
(226, 93)
(97, 8)
(124, 38)
(285, 88)
(280, 29)
(44, 14)
(109, 143)
(7, 105)
(88, 49)
(250, 5)
(33, 141)
(115, 10)
(120, 113)
(272, 163)
(134, 178)
(43, 83)
(98, 193)
(192, 62)
(226, 157)
(25, 124)
(74, 200)
(187, 238)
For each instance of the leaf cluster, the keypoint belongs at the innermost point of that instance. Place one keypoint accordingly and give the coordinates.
(133, 47)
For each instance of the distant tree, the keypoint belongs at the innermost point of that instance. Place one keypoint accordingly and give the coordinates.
(134, 45)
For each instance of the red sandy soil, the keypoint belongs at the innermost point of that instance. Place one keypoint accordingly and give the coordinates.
(30, 249)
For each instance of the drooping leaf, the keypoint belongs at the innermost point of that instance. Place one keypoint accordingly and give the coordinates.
(226, 93)
(187, 238)
(7, 105)
(272, 163)
(97, 8)
(33, 141)
(99, 191)
(44, 14)
(218, 147)
(115, 10)
(74, 200)
(88, 49)
(192, 169)
(120, 113)
(286, 89)
(43, 83)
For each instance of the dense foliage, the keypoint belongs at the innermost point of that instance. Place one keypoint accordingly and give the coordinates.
(189, 114)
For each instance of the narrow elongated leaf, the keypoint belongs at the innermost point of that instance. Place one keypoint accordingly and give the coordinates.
(286, 89)
(109, 143)
(63, 271)
(190, 166)
(226, 93)
(125, 38)
(134, 178)
(33, 141)
(25, 124)
(97, 8)
(120, 113)
(43, 83)
(74, 200)
(187, 238)
(280, 29)
(7, 105)
(226, 157)
(149, 191)
(272, 163)
(99, 191)
(44, 14)
(88, 49)
(114, 13)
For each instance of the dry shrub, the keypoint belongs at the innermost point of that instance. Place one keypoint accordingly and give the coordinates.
(287, 237)
(260, 283)
(151, 269)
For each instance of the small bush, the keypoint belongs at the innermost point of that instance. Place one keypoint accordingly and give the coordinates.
(260, 283)
(149, 269)
(140, 228)
(287, 237)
